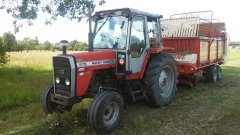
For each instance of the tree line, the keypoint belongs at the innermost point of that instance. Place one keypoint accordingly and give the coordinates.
(28, 10)
(8, 43)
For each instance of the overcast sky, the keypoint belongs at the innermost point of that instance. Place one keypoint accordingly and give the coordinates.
(227, 11)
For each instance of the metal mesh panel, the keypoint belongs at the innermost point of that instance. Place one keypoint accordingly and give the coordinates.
(180, 27)
(193, 24)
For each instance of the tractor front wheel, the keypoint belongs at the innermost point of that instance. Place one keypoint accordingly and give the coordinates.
(48, 106)
(105, 111)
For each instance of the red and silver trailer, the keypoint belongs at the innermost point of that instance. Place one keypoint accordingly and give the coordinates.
(200, 45)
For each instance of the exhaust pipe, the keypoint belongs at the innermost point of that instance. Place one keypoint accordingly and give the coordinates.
(90, 41)
(90, 34)
(64, 44)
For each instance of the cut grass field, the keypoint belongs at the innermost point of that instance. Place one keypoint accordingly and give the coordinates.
(206, 109)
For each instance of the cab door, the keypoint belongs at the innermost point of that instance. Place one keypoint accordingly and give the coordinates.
(137, 44)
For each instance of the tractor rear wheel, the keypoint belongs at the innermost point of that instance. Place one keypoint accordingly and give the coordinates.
(161, 80)
(105, 111)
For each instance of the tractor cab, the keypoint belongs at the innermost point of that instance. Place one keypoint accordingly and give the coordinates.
(128, 32)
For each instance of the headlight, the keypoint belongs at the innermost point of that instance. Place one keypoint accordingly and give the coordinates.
(67, 82)
(57, 80)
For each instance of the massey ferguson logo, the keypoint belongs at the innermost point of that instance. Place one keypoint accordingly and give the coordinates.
(95, 63)
(61, 72)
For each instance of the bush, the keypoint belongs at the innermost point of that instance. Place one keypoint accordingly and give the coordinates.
(4, 58)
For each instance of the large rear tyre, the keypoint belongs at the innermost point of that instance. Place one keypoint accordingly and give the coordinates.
(211, 74)
(105, 111)
(161, 80)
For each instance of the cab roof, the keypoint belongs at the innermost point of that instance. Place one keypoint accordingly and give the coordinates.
(129, 11)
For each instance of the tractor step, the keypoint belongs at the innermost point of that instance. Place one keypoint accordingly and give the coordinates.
(139, 93)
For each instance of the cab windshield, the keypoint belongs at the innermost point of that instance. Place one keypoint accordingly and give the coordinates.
(111, 33)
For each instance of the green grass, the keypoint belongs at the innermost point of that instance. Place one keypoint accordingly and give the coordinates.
(21, 86)
(205, 109)
(23, 79)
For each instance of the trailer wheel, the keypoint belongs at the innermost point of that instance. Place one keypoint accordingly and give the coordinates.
(211, 74)
(161, 80)
(105, 111)
(219, 73)
(48, 106)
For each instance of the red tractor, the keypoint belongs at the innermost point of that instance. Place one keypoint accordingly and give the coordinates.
(128, 60)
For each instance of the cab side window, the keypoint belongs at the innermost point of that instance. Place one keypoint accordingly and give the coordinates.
(152, 31)
(137, 40)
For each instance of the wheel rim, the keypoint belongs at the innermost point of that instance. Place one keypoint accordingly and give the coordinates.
(166, 80)
(111, 113)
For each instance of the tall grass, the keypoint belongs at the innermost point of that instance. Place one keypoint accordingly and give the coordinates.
(31, 59)
(24, 77)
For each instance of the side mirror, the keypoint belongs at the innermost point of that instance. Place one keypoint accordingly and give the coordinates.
(64, 44)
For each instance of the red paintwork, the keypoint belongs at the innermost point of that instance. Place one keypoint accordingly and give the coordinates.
(95, 55)
(186, 68)
(182, 44)
(191, 45)
(82, 81)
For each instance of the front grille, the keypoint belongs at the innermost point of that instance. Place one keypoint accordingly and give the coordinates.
(62, 70)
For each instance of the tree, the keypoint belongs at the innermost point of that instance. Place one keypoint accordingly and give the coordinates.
(81, 46)
(30, 44)
(28, 9)
(26, 44)
(77, 46)
(47, 45)
(55, 47)
(40, 47)
(9, 41)
(20, 46)
(3, 56)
